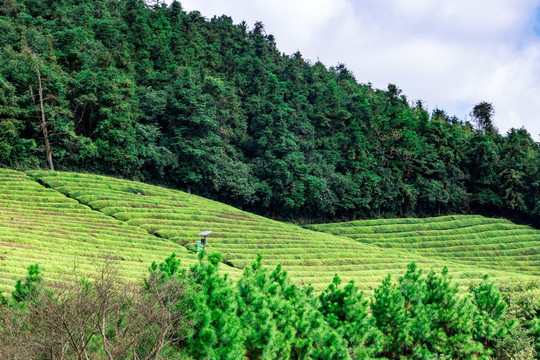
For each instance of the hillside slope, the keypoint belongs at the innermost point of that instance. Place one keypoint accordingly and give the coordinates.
(41, 225)
(309, 256)
(474, 240)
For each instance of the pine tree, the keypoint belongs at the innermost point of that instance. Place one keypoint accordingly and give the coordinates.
(346, 311)
(391, 319)
(490, 322)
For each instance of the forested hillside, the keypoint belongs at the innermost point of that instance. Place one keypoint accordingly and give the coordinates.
(150, 92)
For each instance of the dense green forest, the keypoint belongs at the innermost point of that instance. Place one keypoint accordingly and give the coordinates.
(147, 91)
(200, 314)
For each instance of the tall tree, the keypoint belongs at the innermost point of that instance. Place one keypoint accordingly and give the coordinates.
(482, 115)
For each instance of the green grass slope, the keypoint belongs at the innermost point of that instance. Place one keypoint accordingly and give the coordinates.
(41, 225)
(473, 240)
(309, 256)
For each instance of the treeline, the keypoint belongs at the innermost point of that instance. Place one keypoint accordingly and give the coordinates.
(200, 314)
(150, 92)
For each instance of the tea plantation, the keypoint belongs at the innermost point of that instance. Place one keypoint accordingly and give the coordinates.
(41, 225)
(472, 240)
(61, 220)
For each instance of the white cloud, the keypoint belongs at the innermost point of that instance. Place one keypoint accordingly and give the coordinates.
(450, 54)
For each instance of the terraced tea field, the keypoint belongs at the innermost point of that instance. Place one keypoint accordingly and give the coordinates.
(41, 225)
(309, 256)
(472, 240)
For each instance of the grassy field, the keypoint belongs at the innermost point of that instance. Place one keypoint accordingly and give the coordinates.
(472, 240)
(41, 225)
(173, 219)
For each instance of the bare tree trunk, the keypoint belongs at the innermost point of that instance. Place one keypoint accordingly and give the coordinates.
(44, 123)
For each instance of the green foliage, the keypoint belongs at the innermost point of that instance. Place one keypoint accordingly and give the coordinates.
(168, 268)
(218, 331)
(535, 333)
(388, 309)
(426, 317)
(266, 312)
(490, 322)
(15, 150)
(149, 91)
(524, 305)
(346, 310)
(282, 321)
(95, 318)
(30, 287)
(3, 300)
(451, 318)
(482, 115)
(518, 345)
(200, 314)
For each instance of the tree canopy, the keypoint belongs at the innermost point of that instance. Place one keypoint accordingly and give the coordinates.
(148, 91)
(198, 313)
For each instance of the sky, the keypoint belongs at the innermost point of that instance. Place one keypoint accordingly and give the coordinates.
(450, 54)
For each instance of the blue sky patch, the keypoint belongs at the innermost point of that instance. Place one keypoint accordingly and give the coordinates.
(536, 24)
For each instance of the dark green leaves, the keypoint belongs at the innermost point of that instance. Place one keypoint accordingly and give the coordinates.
(150, 92)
